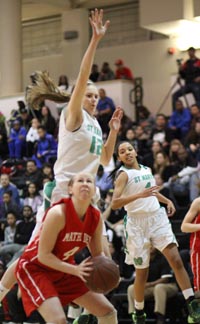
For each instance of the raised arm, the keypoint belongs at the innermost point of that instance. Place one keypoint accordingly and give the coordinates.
(187, 225)
(74, 110)
(108, 147)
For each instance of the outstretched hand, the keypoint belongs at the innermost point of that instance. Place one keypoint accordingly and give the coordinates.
(96, 21)
(115, 122)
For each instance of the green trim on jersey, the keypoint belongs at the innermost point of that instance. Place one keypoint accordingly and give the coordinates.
(48, 188)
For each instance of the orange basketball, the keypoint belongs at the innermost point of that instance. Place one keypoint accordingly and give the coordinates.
(105, 275)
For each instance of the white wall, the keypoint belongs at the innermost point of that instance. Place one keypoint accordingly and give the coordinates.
(149, 60)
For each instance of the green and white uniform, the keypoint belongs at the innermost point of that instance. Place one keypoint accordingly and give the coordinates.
(146, 222)
(78, 151)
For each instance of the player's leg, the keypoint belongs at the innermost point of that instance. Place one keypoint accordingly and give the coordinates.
(173, 257)
(98, 305)
(8, 280)
(52, 311)
(138, 315)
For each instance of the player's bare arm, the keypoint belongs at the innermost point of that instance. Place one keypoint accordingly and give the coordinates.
(187, 225)
(108, 147)
(74, 112)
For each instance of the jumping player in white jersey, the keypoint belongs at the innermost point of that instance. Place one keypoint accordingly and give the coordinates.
(80, 146)
(147, 224)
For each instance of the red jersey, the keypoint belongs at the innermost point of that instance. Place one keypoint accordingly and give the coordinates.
(75, 235)
(195, 236)
(39, 282)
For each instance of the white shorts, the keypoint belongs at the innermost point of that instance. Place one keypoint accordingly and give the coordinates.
(144, 231)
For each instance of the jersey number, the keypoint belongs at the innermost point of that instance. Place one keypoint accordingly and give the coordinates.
(148, 185)
(96, 145)
(70, 253)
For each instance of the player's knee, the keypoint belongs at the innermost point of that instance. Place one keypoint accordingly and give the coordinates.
(110, 317)
(59, 320)
(177, 263)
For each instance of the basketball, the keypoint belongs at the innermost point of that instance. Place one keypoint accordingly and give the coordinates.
(105, 275)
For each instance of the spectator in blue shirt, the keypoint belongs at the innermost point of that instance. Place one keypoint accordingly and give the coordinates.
(46, 147)
(105, 109)
(180, 120)
(16, 140)
(5, 186)
(103, 181)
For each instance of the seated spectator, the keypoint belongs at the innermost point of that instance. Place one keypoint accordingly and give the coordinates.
(63, 82)
(130, 136)
(195, 114)
(4, 152)
(195, 185)
(30, 174)
(149, 158)
(113, 217)
(33, 198)
(161, 161)
(105, 109)
(47, 171)
(145, 118)
(103, 182)
(7, 205)
(160, 285)
(46, 147)
(48, 121)
(185, 166)
(163, 187)
(25, 118)
(106, 73)
(5, 186)
(161, 132)
(179, 122)
(192, 140)
(22, 236)
(175, 145)
(3, 123)
(16, 140)
(122, 71)
(7, 247)
(10, 229)
(32, 137)
(142, 138)
(190, 72)
(126, 123)
(94, 75)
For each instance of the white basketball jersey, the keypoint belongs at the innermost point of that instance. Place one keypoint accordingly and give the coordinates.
(138, 181)
(79, 150)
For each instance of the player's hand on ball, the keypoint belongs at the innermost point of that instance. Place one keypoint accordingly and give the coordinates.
(84, 269)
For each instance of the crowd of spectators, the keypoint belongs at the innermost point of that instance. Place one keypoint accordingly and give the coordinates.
(169, 145)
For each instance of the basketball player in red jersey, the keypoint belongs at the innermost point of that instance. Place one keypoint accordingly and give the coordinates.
(191, 224)
(46, 272)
